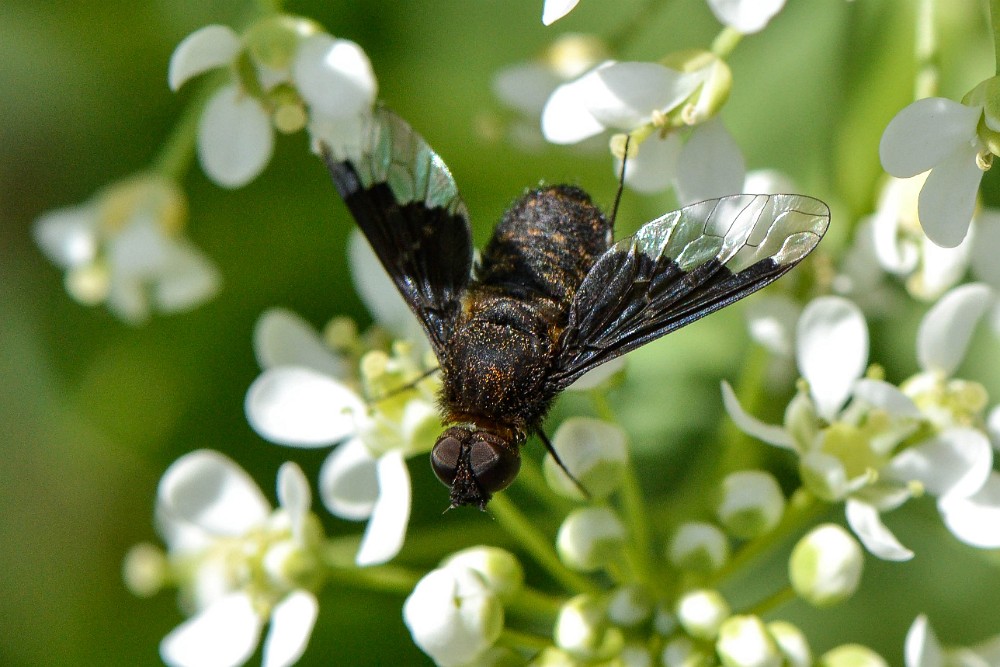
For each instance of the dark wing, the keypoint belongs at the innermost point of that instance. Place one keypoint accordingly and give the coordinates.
(405, 201)
(681, 267)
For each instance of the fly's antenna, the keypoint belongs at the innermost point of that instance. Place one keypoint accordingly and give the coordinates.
(555, 455)
(621, 185)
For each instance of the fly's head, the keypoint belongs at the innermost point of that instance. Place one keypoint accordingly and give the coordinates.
(475, 463)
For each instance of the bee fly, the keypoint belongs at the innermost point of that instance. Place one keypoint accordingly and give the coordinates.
(552, 295)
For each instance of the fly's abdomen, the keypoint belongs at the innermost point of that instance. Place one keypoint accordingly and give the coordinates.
(544, 245)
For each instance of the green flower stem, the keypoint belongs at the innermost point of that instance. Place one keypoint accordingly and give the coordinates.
(382, 578)
(739, 450)
(725, 42)
(926, 52)
(633, 504)
(803, 507)
(517, 639)
(772, 602)
(995, 26)
(534, 605)
(177, 152)
(532, 540)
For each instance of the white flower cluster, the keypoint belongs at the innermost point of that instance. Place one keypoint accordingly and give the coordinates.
(283, 73)
(873, 445)
(238, 563)
(745, 16)
(126, 248)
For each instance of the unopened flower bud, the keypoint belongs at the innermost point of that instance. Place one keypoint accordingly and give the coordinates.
(145, 570)
(702, 612)
(792, 643)
(453, 615)
(851, 655)
(698, 547)
(745, 642)
(825, 566)
(630, 606)
(594, 451)
(752, 503)
(582, 629)
(682, 652)
(590, 538)
(499, 568)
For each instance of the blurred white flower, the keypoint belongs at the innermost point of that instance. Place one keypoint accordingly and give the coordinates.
(922, 649)
(825, 566)
(583, 630)
(285, 73)
(590, 538)
(746, 16)
(238, 563)
(744, 641)
(304, 398)
(699, 547)
(939, 136)
(525, 87)
(849, 430)
(594, 451)
(125, 248)
(453, 615)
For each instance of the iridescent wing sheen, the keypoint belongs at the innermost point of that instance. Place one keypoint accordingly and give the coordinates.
(681, 267)
(406, 203)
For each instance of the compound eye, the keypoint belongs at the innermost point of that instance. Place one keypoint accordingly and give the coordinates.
(493, 465)
(444, 458)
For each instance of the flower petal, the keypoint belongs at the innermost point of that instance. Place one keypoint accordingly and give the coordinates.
(204, 49)
(565, 118)
(283, 338)
(993, 427)
(746, 16)
(334, 76)
(925, 133)
(348, 482)
(296, 406)
(881, 394)
(955, 462)
(831, 350)
(624, 95)
(773, 435)
(948, 198)
(211, 491)
(553, 10)
(525, 87)
(235, 140)
(387, 526)
(941, 268)
(68, 236)
(294, 496)
(947, 328)
(866, 523)
(187, 279)
(922, 646)
(975, 519)
(654, 166)
(379, 293)
(225, 634)
(291, 625)
(771, 322)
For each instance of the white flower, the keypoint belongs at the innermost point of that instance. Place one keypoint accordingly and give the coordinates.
(850, 452)
(303, 398)
(940, 136)
(851, 655)
(744, 641)
(582, 630)
(590, 538)
(642, 97)
(746, 16)
(901, 248)
(298, 76)
(698, 546)
(702, 612)
(752, 503)
(553, 10)
(238, 563)
(453, 615)
(125, 248)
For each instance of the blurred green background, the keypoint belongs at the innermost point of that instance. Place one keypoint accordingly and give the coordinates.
(93, 410)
